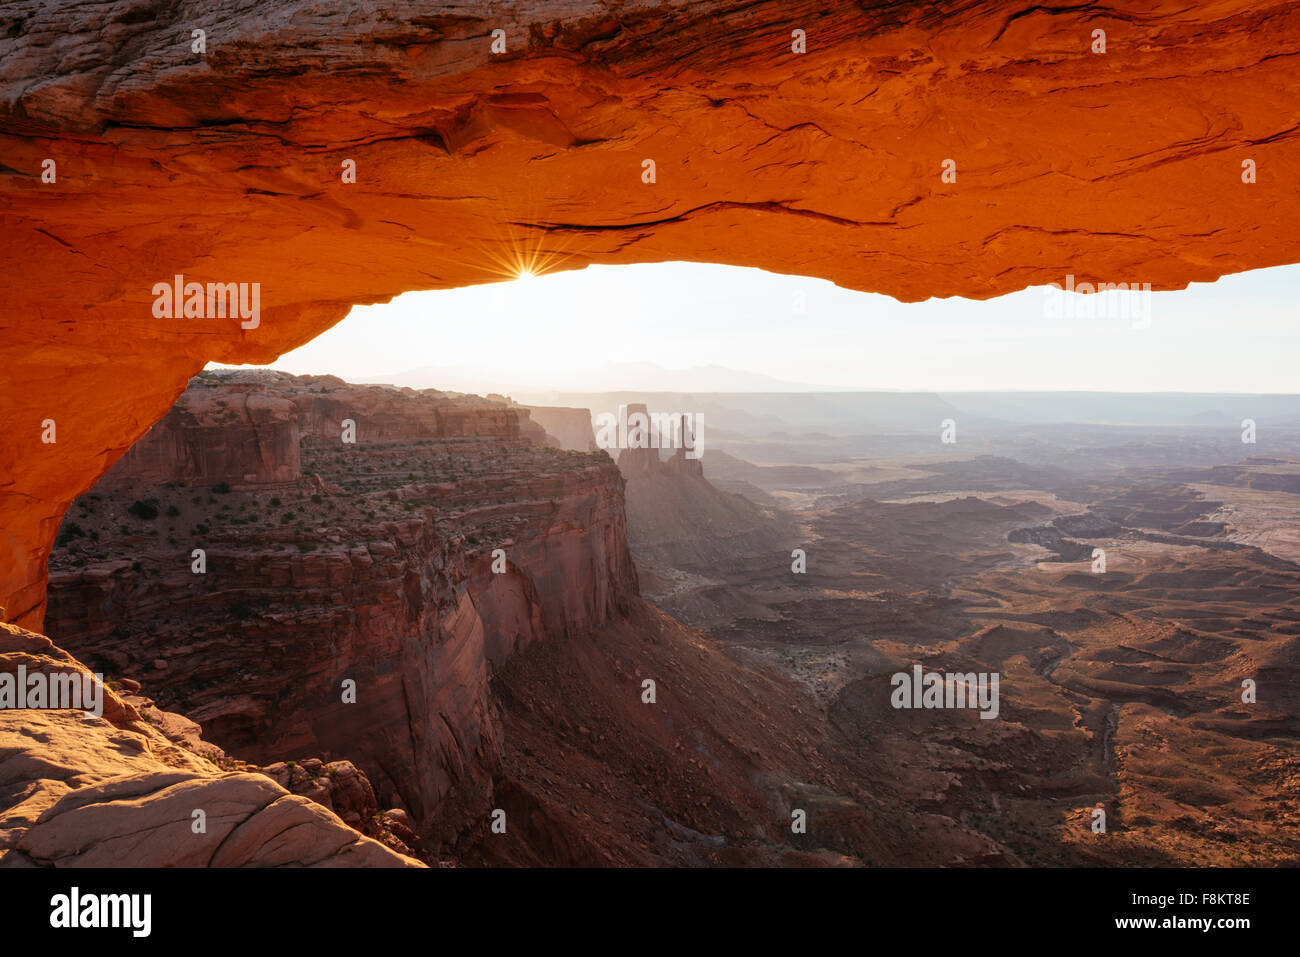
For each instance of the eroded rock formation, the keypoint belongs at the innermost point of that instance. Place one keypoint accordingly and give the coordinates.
(411, 563)
(130, 158)
(681, 527)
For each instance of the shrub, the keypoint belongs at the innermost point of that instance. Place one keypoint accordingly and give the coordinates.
(275, 502)
(172, 511)
(222, 488)
(70, 531)
(146, 510)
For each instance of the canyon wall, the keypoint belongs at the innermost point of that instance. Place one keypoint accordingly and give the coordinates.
(356, 613)
(243, 436)
(787, 136)
(247, 429)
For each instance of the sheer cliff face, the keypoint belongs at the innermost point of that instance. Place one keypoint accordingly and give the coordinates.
(228, 166)
(378, 572)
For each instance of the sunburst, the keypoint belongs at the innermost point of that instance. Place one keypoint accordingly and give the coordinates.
(517, 256)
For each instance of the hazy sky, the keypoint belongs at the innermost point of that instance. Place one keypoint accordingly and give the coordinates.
(564, 332)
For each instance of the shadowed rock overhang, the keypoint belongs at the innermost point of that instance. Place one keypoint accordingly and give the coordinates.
(227, 165)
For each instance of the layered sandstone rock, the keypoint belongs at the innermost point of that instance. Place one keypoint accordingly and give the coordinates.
(239, 437)
(226, 166)
(116, 791)
(682, 529)
(379, 574)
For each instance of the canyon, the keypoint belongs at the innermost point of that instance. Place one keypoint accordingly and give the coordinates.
(477, 688)
(1122, 689)
(327, 561)
(498, 603)
(291, 584)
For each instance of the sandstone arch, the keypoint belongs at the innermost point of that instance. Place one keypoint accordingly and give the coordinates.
(226, 166)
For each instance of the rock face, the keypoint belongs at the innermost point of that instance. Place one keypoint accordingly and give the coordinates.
(799, 139)
(242, 437)
(247, 429)
(373, 579)
(571, 428)
(680, 525)
(115, 791)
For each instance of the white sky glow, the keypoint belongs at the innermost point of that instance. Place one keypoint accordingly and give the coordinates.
(613, 327)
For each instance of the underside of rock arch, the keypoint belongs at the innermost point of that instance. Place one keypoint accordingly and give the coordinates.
(133, 153)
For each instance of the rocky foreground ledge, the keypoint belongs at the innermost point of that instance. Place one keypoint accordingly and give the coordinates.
(138, 787)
